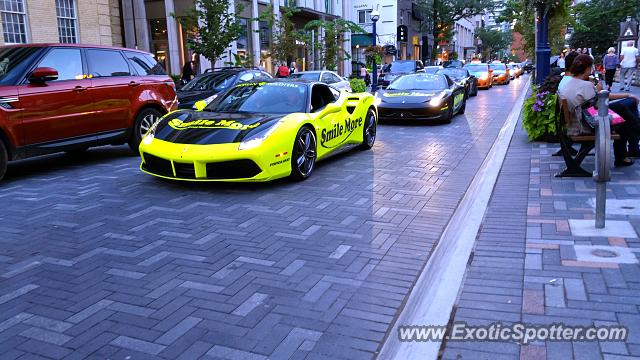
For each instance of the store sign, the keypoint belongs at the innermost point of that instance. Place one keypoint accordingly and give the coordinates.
(403, 33)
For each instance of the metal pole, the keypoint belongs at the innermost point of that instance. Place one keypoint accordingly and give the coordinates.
(374, 69)
(601, 174)
(543, 50)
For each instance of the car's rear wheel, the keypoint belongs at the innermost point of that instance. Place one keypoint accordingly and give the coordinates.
(4, 159)
(303, 159)
(369, 131)
(145, 119)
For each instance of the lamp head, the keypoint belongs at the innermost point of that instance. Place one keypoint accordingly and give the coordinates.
(375, 15)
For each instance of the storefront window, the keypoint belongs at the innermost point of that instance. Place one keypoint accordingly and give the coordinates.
(243, 40)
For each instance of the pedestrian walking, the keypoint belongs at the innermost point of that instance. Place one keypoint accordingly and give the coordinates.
(293, 68)
(188, 71)
(363, 73)
(283, 71)
(628, 63)
(611, 63)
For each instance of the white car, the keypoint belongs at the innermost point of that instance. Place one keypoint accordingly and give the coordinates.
(325, 76)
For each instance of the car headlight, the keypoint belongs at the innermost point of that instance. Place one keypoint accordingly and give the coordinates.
(256, 139)
(437, 100)
(206, 100)
(484, 77)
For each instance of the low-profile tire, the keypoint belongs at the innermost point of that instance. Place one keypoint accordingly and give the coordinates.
(369, 130)
(4, 159)
(303, 155)
(450, 114)
(144, 120)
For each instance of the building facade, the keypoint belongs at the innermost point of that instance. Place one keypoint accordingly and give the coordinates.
(153, 25)
(61, 21)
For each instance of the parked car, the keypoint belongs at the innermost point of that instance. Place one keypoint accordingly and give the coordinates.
(528, 67)
(324, 76)
(453, 64)
(260, 131)
(462, 77)
(208, 85)
(424, 97)
(67, 97)
(432, 69)
(399, 68)
(514, 70)
(483, 73)
(500, 73)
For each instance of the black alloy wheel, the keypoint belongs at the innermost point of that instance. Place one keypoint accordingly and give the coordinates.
(303, 159)
(4, 159)
(369, 131)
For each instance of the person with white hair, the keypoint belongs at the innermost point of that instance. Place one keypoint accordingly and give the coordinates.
(628, 64)
(610, 63)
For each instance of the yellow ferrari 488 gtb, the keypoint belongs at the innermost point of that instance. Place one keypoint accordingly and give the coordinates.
(259, 131)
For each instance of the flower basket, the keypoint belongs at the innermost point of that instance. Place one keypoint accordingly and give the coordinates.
(539, 116)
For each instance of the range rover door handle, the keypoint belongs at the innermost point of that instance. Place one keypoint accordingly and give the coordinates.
(134, 83)
(79, 88)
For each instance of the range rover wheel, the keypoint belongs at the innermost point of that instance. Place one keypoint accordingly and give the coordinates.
(369, 131)
(4, 159)
(303, 156)
(145, 119)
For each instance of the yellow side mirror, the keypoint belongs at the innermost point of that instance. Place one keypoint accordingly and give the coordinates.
(200, 105)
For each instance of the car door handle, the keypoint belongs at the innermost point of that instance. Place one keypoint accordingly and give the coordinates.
(79, 88)
(134, 83)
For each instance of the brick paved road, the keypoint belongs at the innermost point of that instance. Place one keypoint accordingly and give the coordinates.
(98, 260)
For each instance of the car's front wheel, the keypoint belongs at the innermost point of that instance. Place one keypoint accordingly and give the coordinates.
(4, 159)
(369, 131)
(304, 153)
(145, 119)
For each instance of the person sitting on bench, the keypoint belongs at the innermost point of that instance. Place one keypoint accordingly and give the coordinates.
(578, 90)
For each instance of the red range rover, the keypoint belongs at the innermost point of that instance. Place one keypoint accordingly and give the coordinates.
(56, 97)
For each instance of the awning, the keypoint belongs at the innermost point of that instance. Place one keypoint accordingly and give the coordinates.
(361, 39)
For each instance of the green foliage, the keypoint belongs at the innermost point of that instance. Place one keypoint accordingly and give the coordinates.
(493, 41)
(217, 27)
(331, 47)
(283, 45)
(357, 85)
(539, 124)
(241, 60)
(598, 21)
(442, 14)
(522, 15)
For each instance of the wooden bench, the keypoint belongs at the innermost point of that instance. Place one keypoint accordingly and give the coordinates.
(572, 158)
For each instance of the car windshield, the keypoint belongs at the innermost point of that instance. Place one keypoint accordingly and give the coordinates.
(262, 97)
(454, 73)
(477, 68)
(402, 66)
(431, 69)
(207, 82)
(14, 62)
(419, 82)
(498, 67)
(307, 76)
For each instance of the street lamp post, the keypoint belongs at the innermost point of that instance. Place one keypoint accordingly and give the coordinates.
(375, 15)
(543, 50)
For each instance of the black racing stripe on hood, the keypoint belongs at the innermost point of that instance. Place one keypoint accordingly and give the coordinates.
(208, 128)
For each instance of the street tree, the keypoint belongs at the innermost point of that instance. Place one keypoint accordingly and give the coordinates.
(597, 23)
(493, 41)
(521, 14)
(331, 44)
(444, 13)
(285, 37)
(217, 27)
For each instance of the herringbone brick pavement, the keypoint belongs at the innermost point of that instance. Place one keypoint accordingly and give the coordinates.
(100, 261)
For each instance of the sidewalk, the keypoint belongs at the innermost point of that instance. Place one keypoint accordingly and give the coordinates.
(532, 264)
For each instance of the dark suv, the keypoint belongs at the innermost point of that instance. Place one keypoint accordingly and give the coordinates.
(211, 83)
(59, 97)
